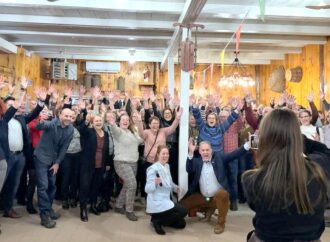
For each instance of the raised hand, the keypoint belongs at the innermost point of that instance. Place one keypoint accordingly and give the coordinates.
(192, 100)
(51, 89)
(24, 82)
(42, 94)
(68, 92)
(248, 98)
(234, 103)
(2, 82)
(55, 96)
(291, 100)
(191, 146)
(96, 92)
(11, 88)
(240, 103)
(310, 97)
(178, 112)
(321, 95)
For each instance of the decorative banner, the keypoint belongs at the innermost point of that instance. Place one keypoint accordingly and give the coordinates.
(222, 60)
(238, 36)
(204, 76)
(211, 78)
(262, 6)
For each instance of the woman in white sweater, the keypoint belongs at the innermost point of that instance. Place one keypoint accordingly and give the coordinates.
(159, 188)
(126, 142)
(309, 130)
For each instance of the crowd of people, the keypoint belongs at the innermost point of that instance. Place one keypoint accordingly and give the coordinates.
(106, 149)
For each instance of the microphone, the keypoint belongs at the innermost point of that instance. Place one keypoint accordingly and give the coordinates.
(157, 175)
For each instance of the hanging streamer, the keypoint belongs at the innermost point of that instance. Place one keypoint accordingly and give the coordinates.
(222, 60)
(262, 6)
(204, 77)
(238, 37)
(211, 78)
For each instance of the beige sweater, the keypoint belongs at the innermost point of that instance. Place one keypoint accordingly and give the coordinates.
(125, 144)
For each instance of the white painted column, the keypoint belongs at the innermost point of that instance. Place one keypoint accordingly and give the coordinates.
(184, 127)
(170, 75)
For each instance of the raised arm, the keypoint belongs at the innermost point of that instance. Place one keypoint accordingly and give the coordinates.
(174, 125)
(326, 105)
(315, 113)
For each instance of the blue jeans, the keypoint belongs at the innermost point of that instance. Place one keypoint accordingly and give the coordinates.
(46, 187)
(3, 172)
(14, 172)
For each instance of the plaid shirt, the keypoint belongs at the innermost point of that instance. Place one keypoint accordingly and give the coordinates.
(230, 138)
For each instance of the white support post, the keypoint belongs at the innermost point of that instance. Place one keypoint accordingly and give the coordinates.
(184, 127)
(170, 75)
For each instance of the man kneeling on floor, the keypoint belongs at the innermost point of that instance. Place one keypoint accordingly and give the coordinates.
(208, 189)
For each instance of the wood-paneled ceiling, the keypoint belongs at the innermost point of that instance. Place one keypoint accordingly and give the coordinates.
(108, 29)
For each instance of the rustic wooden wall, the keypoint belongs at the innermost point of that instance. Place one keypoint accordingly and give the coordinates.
(309, 61)
(14, 66)
(327, 69)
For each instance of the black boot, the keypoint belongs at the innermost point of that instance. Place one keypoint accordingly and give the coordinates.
(233, 205)
(46, 221)
(158, 228)
(73, 203)
(93, 209)
(65, 204)
(83, 214)
(30, 209)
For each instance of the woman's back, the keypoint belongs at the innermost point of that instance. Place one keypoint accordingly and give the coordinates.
(287, 192)
(286, 224)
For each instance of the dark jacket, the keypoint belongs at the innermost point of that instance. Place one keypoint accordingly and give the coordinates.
(89, 143)
(54, 141)
(4, 144)
(194, 168)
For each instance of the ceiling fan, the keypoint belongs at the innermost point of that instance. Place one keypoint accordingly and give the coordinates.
(320, 6)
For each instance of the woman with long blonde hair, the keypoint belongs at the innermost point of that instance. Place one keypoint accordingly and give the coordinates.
(287, 191)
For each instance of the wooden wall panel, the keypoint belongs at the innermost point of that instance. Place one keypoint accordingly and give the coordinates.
(327, 70)
(310, 63)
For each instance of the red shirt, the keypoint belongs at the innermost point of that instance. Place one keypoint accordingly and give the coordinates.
(34, 133)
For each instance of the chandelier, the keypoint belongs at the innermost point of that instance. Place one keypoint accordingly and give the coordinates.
(237, 76)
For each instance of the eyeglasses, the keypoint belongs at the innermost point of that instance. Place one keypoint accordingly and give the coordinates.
(304, 116)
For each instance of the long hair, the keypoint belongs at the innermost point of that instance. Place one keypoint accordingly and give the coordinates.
(3, 109)
(283, 174)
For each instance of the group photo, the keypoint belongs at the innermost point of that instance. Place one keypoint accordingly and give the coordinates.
(140, 120)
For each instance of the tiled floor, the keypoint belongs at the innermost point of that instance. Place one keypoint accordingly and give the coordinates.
(115, 227)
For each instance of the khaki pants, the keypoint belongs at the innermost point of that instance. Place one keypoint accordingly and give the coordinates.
(220, 201)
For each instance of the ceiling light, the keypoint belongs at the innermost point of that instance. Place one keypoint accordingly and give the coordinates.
(237, 76)
(131, 59)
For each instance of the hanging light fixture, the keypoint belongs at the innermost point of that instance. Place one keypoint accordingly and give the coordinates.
(237, 76)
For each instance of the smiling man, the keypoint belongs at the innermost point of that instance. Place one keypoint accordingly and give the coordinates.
(49, 153)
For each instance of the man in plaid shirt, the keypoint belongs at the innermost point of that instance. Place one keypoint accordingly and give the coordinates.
(230, 143)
